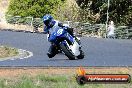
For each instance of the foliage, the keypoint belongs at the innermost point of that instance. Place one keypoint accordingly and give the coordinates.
(120, 11)
(19, 20)
(90, 11)
(123, 32)
(35, 8)
(93, 11)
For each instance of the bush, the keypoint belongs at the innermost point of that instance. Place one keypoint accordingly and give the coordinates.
(34, 8)
(19, 20)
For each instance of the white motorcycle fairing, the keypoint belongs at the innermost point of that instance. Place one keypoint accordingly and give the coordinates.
(75, 48)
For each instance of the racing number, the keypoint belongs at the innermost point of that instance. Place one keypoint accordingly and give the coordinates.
(59, 32)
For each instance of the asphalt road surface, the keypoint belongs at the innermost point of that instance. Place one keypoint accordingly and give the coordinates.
(98, 52)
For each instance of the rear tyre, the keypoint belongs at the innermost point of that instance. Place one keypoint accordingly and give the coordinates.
(67, 52)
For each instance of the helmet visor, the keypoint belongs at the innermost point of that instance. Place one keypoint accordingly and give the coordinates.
(47, 22)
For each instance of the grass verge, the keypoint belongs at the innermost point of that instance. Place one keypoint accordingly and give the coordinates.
(44, 81)
(55, 78)
(7, 51)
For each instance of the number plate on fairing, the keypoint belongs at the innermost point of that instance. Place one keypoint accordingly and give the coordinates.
(59, 32)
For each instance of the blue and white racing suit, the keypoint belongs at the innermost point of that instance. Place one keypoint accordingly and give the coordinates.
(51, 30)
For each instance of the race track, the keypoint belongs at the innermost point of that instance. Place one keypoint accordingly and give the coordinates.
(98, 52)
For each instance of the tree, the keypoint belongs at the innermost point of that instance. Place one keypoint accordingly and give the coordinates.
(120, 11)
(35, 8)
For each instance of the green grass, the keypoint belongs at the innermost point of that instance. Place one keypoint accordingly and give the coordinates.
(52, 81)
(7, 51)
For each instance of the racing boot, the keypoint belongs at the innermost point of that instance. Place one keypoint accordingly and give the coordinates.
(51, 53)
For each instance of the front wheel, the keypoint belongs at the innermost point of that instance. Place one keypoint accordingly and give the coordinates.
(67, 52)
(81, 56)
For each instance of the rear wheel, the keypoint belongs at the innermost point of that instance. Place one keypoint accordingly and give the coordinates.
(67, 52)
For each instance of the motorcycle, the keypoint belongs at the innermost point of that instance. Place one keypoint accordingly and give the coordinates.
(67, 44)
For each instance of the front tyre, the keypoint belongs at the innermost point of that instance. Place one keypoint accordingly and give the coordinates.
(81, 56)
(67, 52)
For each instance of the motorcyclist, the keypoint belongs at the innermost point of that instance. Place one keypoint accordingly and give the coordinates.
(50, 25)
